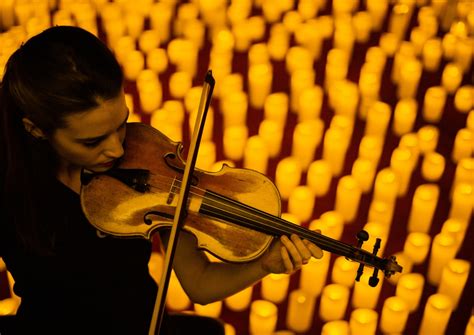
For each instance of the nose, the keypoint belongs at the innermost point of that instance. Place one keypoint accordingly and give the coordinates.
(114, 147)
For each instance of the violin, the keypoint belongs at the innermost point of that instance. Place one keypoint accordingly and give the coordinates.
(233, 213)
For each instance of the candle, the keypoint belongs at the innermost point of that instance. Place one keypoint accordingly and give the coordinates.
(363, 171)
(389, 42)
(234, 141)
(365, 296)
(464, 173)
(370, 147)
(470, 326)
(160, 17)
(334, 223)
(448, 44)
(206, 155)
(369, 85)
(344, 272)
(308, 35)
(394, 315)
(299, 317)
(123, 46)
(404, 116)
(428, 138)
(363, 321)
(240, 300)
(410, 74)
(272, 133)
(417, 246)
(348, 195)
(133, 65)
(425, 200)
(442, 251)
(300, 80)
(376, 230)
(418, 37)
(256, 154)
(242, 33)
(306, 138)
(380, 211)
(433, 105)
(344, 36)
(258, 54)
(183, 53)
(313, 275)
(275, 287)
(461, 204)
(433, 166)
(362, 25)
(176, 298)
(457, 229)
(453, 279)
(291, 218)
(212, 310)
(279, 43)
(338, 327)
(148, 40)
(276, 107)
(230, 83)
(463, 54)
(451, 77)
(399, 19)
(344, 97)
(208, 125)
(234, 108)
(301, 203)
(180, 83)
(260, 78)
(319, 177)
(386, 186)
(263, 317)
(150, 96)
(463, 145)
(334, 300)
(436, 314)
(344, 123)
(378, 118)
(405, 52)
(157, 60)
(334, 149)
(287, 176)
(298, 58)
(410, 141)
(377, 10)
(463, 99)
(409, 288)
(432, 53)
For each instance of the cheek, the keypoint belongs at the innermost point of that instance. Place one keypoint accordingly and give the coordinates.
(76, 154)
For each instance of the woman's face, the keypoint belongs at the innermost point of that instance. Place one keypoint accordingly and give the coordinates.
(92, 139)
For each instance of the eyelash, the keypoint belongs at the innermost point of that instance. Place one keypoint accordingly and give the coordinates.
(96, 143)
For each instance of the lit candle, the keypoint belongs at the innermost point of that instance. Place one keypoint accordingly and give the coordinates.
(157, 60)
(417, 246)
(410, 74)
(409, 288)
(432, 53)
(365, 296)
(428, 138)
(463, 99)
(260, 79)
(256, 154)
(453, 279)
(470, 326)
(380, 211)
(334, 149)
(436, 314)
(160, 17)
(461, 204)
(176, 298)
(457, 229)
(370, 147)
(299, 81)
(298, 58)
(401, 163)
(405, 52)
(134, 63)
(258, 54)
(404, 116)
(451, 77)
(240, 300)
(386, 186)
(362, 26)
(334, 300)
(378, 118)
(276, 107)
(418, 37)
(433, 166)
(377, 10)
(263, 317)
(463, 54)
(442, 251)
(300, 310)
(433, 105)
(278, 43)
(232, 82)
(389, 43)
(399, 18)
(180, 83)
(363, 321)
(410, 141)
(287, 176)
(234, 141)
(275, 287)
(463, 145)
(123, 46)
(369, 86)
(306, 138)
(150, 96)
(272, 133)
(212, 310)
(313, 275)
(423, 208)
(394, 315)
(234, 108)
(148, 40)
(334, 223)
(344, 272)
(344, 123)
(319, 177)
(363, 171)
(301, 203)
(194, 30)
(348, 195)
(206, 155)
(308, 35)
(464, 173)
(338, 327)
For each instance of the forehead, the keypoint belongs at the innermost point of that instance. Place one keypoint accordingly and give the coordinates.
(97, 121)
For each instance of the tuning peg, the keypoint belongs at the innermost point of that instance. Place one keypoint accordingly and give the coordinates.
(374, 280)
(362, 236)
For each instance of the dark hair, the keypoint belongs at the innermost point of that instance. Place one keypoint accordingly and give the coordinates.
(61, 71)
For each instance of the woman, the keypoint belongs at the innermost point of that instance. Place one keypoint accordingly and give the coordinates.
(63, 110)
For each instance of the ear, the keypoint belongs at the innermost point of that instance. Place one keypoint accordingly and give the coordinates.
(33, 129)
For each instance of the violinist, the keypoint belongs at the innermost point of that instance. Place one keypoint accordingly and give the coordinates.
(63, 110)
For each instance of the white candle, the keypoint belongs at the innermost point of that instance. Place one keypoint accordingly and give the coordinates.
(428, 138)
(334, 149)
(376, 230)
(404, 116)
(394, 315)
(235, 139)
(453, 279)
(409, 288)
(344, 272)
(160, 16)
(338, 327)
(451, 77)
(240, 300)
(418, 37)
(423, 208)
(363, 171)
(263, 317)
(381, 211)
(417, 246)
(308, 35)
(206, 155)
(298, 58)
(319, 177)
(180, 83)
(272, 133)
(260, 79)
(150, 97)
(378, 118)
(133, 64)
(410, 74)
(389, 42)
(334, 300)
(363, 321)
(463, 53)
(456, 228)
(300, 310)
(348, 195)
(334, 223)
(436, 314)
(313, 275)
(208, 125)
(276, 107)
(212, 310)
(234, 108)
(275, 287)
(307, 136)
(442, 251)
(370, 147)
(464, 173)
(256, 154)
(299, 81)
(432, 53)
(287, 176)
(301, 203)
(157, 60)
(463, 145)
(401, 163)
(365, 296)
(148, 40)
(410, 141)
(433, 166)
(461, 204)
(463, 99)
(386, 186)
(258, 54)
(362, 26)
(433, 104)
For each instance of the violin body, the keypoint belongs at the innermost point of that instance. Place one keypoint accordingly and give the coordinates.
(115, 208)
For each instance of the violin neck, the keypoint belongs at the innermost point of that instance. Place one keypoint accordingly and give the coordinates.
(220, 207)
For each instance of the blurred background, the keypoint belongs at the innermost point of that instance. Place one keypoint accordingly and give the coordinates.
(360, 111)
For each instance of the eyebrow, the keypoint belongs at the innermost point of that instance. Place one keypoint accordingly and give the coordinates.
(87, 139)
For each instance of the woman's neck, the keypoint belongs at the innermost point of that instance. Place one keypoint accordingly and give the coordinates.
(71, 177)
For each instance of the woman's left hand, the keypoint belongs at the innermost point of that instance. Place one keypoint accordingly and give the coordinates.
(288, 254)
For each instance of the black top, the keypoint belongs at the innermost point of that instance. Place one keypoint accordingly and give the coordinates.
(90, 285)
